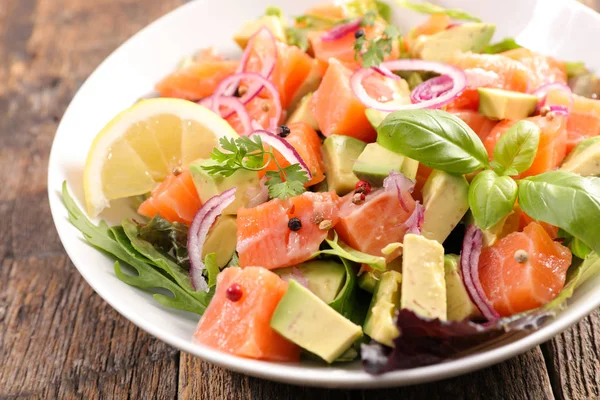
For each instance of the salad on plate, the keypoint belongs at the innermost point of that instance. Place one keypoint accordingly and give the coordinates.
(347, 190)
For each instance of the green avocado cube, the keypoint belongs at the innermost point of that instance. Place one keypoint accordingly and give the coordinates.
(380, 322)
(339, 154)
(303, 318)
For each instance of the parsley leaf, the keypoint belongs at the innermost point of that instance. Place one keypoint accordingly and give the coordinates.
(249, 153)
(293, 185)
(373, 51)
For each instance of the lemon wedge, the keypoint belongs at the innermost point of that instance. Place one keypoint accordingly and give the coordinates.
(144, 144)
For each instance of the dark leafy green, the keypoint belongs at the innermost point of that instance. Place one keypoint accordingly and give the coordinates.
(428, 8)
(345, 301)
(491, 198)
(515, 151)
(502, 46)
(168, 238)
(566, 200)
(425, 341)
(148, 277)
(435, 138)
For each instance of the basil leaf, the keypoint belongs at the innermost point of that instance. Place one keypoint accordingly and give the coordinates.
(502, 46)
(428, 8)
(566, 200)
(435, 138)
(491, 198)
(516, 149)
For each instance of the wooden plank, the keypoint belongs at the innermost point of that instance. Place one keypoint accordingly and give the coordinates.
(523, 377)
(573, 360)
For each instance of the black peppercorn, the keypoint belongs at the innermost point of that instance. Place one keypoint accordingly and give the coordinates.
(283, 131)
(294, 224)
(359, 33)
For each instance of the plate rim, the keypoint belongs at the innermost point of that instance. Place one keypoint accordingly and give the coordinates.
(296, 373)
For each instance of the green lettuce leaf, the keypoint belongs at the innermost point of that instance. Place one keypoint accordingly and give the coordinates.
(115, 242)
(345, 252)
(168, 238)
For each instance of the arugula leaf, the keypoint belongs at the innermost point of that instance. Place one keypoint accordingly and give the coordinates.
(168, 238)
(515, 151)
(212, 269)
(491, 198)
(428, 8)
(343, 251)
(101, 237)
(566, 200)
(435, 138)
(502, 46)
(248, 153)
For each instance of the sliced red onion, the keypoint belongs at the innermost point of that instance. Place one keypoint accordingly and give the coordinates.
(415, 221)
(469, 264)
(256, 126)
(542, 93)
(400, 183)
(342, 30)
(260, 83)
(231, 103)
(457, 76)
(560, 110)
(432, 89)
(296, 275)
(286, 150)
(201, 224)
(385, 72)
(267, 66)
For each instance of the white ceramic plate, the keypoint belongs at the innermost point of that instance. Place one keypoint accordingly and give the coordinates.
(555, 27)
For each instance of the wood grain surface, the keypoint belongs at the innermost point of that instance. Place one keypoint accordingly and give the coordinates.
(58, 339)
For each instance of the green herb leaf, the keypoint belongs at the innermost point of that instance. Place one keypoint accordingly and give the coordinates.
(502, 46)
(168, 238)
(212, 269)
(435, 138)
(293, 185)
(491, 198)
(579, 249)
(373, 52)
(101, 237)
(297, 37)
(345, 301)
(428, 8)
(566, 200)
(384, 10)
(343, 251)
(274, 11)
(515, 151)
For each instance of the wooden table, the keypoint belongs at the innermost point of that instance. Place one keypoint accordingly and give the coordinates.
(58, 339)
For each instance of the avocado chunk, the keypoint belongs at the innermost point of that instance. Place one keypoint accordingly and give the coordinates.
(339, 154)
(380, 324)
(423, 281)
(458, 300)
(368, 280)
(375, 117)
(325, 278)
(506, 225)
(247, 184)
(376, 162)
(303, 318)
(221, 240)
(303, 113)
(274, 23)
(505, 104)
(443, 45)
(585, 158)
(446, 201)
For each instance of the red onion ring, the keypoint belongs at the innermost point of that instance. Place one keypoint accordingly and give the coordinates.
(469, 264)
(385, 72)
(286, 150)
(397, 181)
(560, 110)
(266, 68)
(342, 30)
(456, 74)
(415, 220)
(201, 224)
(250, 94)
(231, 103)
(542, 93)
(432, 89)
